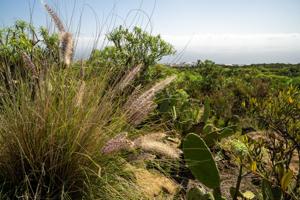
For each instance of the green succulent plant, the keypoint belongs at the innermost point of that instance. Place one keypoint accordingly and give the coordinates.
(201, 163)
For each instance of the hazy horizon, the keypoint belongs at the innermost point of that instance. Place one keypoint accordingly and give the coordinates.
(229, 32)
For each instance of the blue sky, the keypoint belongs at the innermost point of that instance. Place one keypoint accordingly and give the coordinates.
(226, 31)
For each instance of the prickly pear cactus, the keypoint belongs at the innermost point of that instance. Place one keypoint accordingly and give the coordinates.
(200, 161)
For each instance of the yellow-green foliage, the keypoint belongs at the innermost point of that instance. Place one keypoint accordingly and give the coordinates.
(280, 115)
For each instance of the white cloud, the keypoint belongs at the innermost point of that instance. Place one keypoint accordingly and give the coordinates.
(238, 48)
(233, 42)
(223, 48)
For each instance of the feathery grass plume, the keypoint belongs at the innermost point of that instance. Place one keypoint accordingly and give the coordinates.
(66, 38)
(152, 136)
(157, 148)
(137, 109)
(29, 64)
(150, 142)
(129, 77)
(80, 94)
(138, 114)
(134, 95)
(55, 17)
(66, 50)
(142, 157)
(146, 143)
(120, 142)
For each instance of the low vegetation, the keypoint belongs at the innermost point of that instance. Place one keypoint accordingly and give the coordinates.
(120, 126)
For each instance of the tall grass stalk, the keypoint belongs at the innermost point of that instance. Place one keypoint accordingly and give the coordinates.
(66, 38)
(48, 144)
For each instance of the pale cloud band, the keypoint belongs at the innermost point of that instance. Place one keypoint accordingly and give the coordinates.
(224, 48)
(239, 48)
(264, 42)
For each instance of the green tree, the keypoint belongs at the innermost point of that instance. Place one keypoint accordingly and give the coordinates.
(138, 46)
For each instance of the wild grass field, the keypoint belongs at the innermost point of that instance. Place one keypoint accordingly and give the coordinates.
(119, 125)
